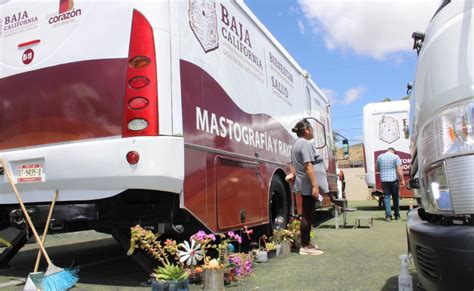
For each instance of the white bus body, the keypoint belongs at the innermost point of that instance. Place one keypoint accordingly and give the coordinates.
(164, 113)
(441, 232)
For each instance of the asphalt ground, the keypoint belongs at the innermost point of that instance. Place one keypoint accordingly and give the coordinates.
(355, 259)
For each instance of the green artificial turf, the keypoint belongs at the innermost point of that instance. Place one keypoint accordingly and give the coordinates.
(354, 259)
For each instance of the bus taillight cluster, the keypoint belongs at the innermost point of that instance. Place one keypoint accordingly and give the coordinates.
(141, 95)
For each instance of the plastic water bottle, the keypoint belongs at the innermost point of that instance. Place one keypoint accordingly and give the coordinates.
(405, 281)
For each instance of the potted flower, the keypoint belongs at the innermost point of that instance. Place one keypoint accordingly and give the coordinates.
(294, 228)
(241, 263)
(283, 239)
(214, 267)
(271, 248)
(170, 275)
(261, 254)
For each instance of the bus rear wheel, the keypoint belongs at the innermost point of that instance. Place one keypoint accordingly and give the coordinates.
(278, 204)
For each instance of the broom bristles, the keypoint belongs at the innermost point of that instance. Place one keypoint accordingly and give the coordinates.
(61, 280)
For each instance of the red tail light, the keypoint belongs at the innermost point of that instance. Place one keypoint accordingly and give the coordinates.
(133, 157)
(138, 82)
(141, 94)
(138, 103)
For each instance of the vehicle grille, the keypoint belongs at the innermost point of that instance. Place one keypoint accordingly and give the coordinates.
(428, 262)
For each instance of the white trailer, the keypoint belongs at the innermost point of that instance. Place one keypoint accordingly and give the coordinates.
(385, 125)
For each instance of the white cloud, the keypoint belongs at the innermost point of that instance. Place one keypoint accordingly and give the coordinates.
(301, 26)
(353, 94)
(374, 28)
(330, 94)
(350, 96)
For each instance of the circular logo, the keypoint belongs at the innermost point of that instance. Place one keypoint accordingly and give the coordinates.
(28, 56)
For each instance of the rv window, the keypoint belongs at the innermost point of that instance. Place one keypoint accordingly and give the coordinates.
(319, 132)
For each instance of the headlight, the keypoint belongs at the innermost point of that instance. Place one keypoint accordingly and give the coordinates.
(436, 184)
(449, 132)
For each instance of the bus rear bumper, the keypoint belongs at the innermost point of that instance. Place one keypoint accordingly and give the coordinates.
(96, 169)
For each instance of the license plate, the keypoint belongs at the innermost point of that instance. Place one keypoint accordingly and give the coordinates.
(30, 173)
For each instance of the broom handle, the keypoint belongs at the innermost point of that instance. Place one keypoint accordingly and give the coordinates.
(27, 216)
(46, 227)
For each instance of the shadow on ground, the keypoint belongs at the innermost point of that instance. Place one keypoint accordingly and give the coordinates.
(392, 283)
(100, 262)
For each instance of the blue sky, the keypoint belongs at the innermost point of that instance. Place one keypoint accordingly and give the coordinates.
(357, 51)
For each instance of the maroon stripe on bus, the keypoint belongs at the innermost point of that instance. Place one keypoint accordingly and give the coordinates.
(67, 102)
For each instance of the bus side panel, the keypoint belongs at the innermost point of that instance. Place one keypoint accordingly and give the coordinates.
(239, 192)
(198, 187)
(221, 145)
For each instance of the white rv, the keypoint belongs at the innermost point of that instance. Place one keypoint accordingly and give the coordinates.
(441, 231)
(173, 114)
(385, 125)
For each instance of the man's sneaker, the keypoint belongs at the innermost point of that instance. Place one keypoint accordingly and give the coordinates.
(388, 219)
(310, 251)
(397, 217)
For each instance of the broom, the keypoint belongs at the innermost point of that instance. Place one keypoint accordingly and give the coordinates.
(46, 227)
(35, 279)
(55, 278)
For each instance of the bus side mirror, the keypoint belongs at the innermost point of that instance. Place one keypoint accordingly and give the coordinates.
(409, 88)
(345, 148)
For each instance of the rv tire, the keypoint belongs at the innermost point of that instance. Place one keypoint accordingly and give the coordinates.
(278, 204)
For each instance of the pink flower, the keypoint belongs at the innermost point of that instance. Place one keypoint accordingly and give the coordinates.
(238, 238)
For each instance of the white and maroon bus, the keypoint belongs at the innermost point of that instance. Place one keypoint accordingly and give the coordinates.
(173, 114)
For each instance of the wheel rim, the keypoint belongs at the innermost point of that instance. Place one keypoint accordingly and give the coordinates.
(276, 207)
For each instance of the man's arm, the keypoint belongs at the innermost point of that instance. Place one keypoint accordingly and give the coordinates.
(400, 176)
(308, 167)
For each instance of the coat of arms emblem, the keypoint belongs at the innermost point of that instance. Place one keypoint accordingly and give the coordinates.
(389, 130)
(203, 22)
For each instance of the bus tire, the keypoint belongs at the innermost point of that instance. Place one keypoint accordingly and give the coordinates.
(278, 204)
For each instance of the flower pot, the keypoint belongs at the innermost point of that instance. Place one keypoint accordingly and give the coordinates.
(214, 279)
(272, 254)
(158, 285)
(285, 248)
(278, 249)
(261, 256)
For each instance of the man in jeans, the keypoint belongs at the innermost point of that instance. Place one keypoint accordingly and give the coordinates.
(390, 167)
